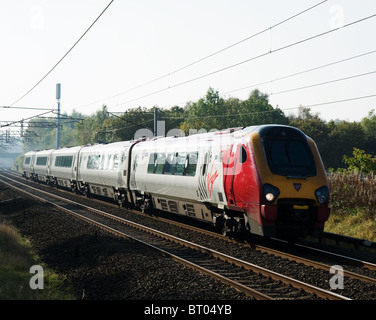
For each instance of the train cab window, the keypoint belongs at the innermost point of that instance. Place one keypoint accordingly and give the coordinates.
(27, 160)
(288, 153)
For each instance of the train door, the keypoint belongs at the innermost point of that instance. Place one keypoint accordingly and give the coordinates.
(240, 177)
(228, 173)
(237, 174)
(33, 157)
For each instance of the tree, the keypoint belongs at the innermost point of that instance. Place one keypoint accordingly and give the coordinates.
(343, 137)
(214, 112)
(314, 127)
(369, 127)
(256, 110)
(41, 136)
(369, 124)
(207, 113)
(93, 127)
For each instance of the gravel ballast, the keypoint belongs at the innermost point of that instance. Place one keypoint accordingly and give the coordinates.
(99, 265)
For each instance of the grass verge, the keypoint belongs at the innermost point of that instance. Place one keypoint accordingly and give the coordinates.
(16, 259)
(353, 205)
(356, 223)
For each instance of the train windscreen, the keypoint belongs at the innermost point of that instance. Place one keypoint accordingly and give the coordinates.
(287, 152)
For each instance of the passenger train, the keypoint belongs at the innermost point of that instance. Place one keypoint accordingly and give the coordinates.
(267, 180)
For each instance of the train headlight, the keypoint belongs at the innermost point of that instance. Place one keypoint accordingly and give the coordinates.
(322, 194)
(270, 192)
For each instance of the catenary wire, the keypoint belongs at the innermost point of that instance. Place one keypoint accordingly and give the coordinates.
(211, 55)
(324, 83)
(47, 74)
(301, 72)
(250, 59)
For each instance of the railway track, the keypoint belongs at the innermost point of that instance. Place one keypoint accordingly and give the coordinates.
(256, 281)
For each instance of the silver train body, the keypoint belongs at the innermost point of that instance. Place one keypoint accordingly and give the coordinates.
(236, 179)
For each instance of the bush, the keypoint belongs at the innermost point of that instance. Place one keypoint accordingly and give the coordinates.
(360, 162)
(16, 258)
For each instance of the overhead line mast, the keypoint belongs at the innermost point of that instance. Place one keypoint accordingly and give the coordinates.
(58, 96)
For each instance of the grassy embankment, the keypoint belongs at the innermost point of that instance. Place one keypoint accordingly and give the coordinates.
(16, 258)
(353, 205)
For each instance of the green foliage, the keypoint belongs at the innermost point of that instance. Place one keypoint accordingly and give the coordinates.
(40, 137)
(360, 162)
(335, 139)
(369, 124)
(313, 127)
(214, 112)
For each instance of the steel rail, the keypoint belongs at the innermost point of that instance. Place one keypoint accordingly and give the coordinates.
(243, 264)
(291, 257)
(238, 286)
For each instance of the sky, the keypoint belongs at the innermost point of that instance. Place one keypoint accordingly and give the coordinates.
(160, 53)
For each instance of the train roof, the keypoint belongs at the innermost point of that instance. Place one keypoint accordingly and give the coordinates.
(108, 146)
(220, 135)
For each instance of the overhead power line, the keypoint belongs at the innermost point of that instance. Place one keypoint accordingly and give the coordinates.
(46, 75)
(251, 59)
(301, 72)
(28, 108)
(325, 82)
(213, 54)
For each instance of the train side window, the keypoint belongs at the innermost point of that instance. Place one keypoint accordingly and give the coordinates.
(204, 166)
(116, 161)
(152, 162)
(170, 165)
(243, 155)
(180, 163)
(93, 161)
(90, 162)
(64, 161)
(161, 159)
(101, 162)
(41, 161)
(191, 164)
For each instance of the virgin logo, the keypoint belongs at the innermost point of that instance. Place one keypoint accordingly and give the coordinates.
(210, 179)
